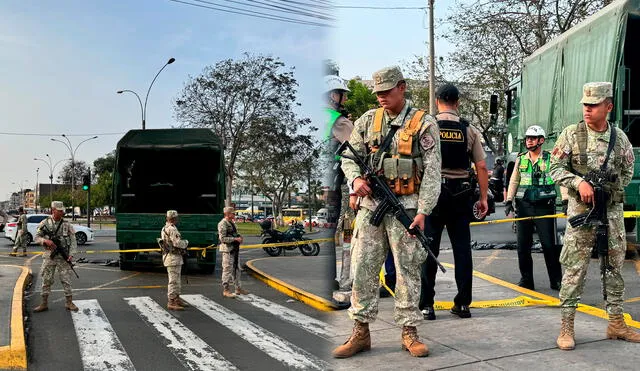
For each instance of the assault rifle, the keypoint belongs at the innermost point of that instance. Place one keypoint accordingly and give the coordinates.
(388, 202)
(597, 216)
(63, 254)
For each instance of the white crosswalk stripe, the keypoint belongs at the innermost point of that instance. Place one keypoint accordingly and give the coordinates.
(185, 345)
(271, 344)
(99, 345)
(296, 318)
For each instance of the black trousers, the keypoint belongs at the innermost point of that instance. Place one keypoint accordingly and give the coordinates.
(547, 232)
(455, 214)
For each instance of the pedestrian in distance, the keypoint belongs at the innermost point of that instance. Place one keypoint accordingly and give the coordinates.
(54, 234)
(174, 249)
(230, 241)
(594, 147)
(402, 143)
(534, 193)
(21, 233)
(461, 148)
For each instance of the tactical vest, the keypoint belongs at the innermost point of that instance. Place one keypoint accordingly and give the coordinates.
(454, 143)
(403, 167)
(536, 185)
(580, 167)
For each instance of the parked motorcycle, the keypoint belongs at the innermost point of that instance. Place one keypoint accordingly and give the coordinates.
(294, 233)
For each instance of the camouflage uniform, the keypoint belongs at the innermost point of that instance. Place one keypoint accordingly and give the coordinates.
(579, 242)
(343, 235)
(21, 240)
(370, 244)
(67, 236)
(173, 259)
(230, 250)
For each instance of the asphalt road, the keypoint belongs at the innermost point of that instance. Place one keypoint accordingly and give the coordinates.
(123, 323)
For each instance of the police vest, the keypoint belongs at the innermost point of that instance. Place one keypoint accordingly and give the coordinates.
(453, 144)
(402, 168)
(536, 185)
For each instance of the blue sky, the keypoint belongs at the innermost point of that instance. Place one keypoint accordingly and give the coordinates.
(63, 61)
(367, 39)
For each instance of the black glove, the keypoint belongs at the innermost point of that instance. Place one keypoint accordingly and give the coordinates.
(508, 208)
(565, 206)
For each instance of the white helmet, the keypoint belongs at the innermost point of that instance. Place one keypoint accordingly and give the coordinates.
(534, 131)
(333, 82)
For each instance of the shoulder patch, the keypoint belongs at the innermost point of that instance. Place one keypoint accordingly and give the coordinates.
(427, 141)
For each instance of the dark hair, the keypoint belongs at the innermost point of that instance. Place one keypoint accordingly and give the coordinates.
(448, 93)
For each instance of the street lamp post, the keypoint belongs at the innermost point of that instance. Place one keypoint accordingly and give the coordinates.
(72, 151)
(52, 169)
(144, 108)
(36, 200)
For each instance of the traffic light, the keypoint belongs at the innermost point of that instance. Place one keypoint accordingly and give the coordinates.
(86, 182)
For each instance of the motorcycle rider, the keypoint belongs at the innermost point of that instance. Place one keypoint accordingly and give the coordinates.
(497, 176)
(535, 194)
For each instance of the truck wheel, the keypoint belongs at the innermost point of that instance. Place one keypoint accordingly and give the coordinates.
(125, 265)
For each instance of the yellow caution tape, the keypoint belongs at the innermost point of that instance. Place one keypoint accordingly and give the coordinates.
(203, 249)
(627, 215)
(384, 284)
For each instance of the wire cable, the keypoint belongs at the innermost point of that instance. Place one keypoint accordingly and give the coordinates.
(58, 134)
(256, 14)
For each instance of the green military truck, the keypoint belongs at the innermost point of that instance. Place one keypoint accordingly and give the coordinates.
(168, 169)
(549, 89)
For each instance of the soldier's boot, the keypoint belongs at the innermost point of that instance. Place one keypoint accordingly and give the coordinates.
(227, 293)
(69, 304)
(241, 291)
(181, 302)
(619, 330)
(566, 339)
(173, 304)
(24, 253)
(411, 342)
(359, 341)
(44, 304)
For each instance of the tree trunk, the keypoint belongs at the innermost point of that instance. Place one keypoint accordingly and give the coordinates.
(227, 201)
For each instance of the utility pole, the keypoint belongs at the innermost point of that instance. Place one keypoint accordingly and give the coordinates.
(432, 88)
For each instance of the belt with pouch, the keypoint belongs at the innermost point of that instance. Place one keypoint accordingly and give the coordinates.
(456, 186)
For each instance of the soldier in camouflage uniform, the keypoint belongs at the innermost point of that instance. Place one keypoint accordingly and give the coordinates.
(568, 164)
(230, 242)
(55, 227)
(411, 165)
(172, 258)
(21, 240)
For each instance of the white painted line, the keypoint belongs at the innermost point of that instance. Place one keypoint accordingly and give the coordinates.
(99, 345)
(192, 351)
(287, 314)
(271, 344)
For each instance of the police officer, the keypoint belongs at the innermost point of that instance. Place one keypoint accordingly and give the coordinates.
(402, 143)
(593, 144)
(497, 175)
(56, 228)
(534, 193)
(230, 242)
(172, 258)
(338, 130)
(21, 240)
(460, 145)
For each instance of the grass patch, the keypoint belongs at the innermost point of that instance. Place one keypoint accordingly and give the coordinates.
(253, 229)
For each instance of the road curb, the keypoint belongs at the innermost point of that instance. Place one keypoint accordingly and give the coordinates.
(290, 290)
(14, 356)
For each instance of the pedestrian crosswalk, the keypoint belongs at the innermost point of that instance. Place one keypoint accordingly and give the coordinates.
(101, 348)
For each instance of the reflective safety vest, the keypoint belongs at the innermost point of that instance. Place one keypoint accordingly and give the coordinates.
(332, 117)
(535, 182)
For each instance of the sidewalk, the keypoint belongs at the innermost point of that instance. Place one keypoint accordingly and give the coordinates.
(510, 327)
(13, 352)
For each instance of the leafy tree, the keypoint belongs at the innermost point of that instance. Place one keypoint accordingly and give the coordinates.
(234, 96)
(360, 99)
(104, 165)
(492, 37)
(75, 173)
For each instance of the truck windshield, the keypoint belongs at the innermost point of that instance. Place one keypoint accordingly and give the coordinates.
(158, 179)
